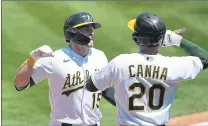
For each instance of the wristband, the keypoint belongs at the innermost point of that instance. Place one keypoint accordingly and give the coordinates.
(30, 62)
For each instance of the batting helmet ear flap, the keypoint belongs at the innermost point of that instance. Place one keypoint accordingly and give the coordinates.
(72, 30)
(68, 32)
(148, 41)
(140, 40)
(136, 39)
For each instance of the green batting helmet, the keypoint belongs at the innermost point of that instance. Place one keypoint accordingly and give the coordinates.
(148, 29)
(72, 25)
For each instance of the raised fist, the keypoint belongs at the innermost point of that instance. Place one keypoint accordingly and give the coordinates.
(43, 51)
(173, 38)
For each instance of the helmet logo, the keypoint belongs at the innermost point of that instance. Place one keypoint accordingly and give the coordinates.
(89, 18)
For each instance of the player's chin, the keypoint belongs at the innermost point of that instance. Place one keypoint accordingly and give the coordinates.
(90, 44)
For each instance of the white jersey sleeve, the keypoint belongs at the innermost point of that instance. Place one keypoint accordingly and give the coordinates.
(184, 68)
(104, 60)
(42, 70)
(106, 77)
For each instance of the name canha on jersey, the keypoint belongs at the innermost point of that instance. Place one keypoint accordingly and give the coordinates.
(145, 85)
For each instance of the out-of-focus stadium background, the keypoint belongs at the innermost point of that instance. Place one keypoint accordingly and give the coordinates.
(28, 25)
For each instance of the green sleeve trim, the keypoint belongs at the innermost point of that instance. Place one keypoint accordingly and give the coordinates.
(194, 50)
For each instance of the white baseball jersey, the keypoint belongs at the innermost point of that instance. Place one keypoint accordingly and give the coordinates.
(67, 73)
(145, 85)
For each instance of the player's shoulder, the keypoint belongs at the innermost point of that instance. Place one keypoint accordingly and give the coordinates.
(98, 54)
(127, 56)
(57, 54)
(175, 58)
(50, 59)
(95, 51)
(181, 60)
(122, 56)
(58, 51)
(62, 52)
(124, 59)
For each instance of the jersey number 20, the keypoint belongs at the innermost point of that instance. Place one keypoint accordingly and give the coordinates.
(151, 96)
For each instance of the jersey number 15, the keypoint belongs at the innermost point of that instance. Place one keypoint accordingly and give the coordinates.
(150, 99)
(96, 100)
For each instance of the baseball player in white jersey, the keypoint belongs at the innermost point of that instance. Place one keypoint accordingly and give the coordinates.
(67, 70)
(146, 82)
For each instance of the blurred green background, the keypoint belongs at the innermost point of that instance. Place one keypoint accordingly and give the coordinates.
(28, 25)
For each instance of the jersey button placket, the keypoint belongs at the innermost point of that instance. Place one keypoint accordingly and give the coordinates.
(82, 103)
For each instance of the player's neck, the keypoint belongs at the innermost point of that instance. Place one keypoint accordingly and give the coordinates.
(149, 50)
(79, 49)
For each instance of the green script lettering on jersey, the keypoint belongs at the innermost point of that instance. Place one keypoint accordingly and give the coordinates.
(75, 82)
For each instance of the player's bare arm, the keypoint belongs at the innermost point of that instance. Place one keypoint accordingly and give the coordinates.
(22, 77)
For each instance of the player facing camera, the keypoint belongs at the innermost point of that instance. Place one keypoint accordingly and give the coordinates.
(79, 28)
(67, 70)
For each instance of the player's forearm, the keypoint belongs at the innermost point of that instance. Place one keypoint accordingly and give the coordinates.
(194, 50)
(108, 94)
(90, 85)
(22, 76)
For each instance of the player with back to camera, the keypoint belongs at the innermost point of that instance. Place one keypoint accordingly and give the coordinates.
(146, 82)
(67, 70)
